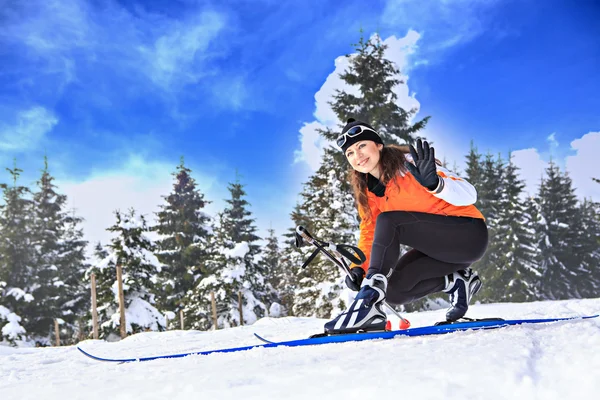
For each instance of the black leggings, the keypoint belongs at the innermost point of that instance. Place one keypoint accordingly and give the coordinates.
(440, 246)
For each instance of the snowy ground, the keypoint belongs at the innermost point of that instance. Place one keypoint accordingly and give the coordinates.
(546, 361)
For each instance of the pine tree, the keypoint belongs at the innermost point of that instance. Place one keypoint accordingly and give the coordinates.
(490, 188)
(375, 78)
(271, 266)
(48, 220)
(292, 258)
(513, 271)
(558, 206)
(474, 171)
(74, 299)
(235, 269)
(587, 249)
(333, 218)
(184, 244)
(16, 261)
(133, 250)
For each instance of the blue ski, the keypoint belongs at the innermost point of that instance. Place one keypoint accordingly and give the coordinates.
(425, 330)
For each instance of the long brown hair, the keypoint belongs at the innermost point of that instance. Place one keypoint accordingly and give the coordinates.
(391, 163)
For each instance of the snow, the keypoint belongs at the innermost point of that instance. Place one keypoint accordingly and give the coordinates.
(239, 251)
(19, 294)
(12, 329)
(543, 361)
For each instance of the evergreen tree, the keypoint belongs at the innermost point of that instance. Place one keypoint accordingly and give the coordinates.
(235, 268)
(375, 78)
(292, 259)
(474, 171)
(271, 267)
(133, 250)
(513, 271)
(587, 249)
(48, 222)
(183, 247)
(333, 218)
(490, 188)
(74, 299)
(16, 261)
(558, 207)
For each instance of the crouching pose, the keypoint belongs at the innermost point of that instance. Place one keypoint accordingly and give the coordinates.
(408, 199)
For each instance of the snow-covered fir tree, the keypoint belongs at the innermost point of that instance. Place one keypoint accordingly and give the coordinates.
(183, 247)
(375, 80)
(74, 299)
(271, 266)
(587, 249)
(292, 258)
(332, 211)
(58, 261)
(474, 170)
(559, 217)
(16, 261)
(490, 188)
(513, 271)
(234, 268)
(133, 250)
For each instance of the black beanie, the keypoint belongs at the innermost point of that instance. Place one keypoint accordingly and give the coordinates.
(366, 134)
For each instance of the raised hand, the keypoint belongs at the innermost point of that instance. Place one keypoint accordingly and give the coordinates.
(423, 169)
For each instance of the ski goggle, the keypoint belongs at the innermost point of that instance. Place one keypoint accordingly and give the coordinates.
(350, 133)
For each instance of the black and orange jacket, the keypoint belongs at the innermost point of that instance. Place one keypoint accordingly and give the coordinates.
(454, 196)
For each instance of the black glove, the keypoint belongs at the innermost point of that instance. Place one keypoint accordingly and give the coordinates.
(355, 278)
(424, 168)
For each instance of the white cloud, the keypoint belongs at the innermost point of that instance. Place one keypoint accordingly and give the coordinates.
(311, 145)
(173, 57)
(29, 129)
(583, 165)
(579, 166)
(531, 169)
(446, 23)
(137, 184)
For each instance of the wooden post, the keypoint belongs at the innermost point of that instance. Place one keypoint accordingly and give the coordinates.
(240, 307)
(166, 323)
(56, 332)
(214, 310)
(94, 309)
(181, 319)
(122, 322)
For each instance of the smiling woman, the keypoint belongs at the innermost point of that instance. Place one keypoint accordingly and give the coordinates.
(413, 201)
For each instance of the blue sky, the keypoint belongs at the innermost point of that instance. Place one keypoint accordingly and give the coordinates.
(114, 92)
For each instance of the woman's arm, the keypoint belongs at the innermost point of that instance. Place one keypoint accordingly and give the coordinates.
(453, 189)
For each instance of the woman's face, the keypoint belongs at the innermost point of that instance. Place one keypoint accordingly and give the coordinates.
(364, 156)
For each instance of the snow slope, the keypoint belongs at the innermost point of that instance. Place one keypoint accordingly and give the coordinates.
(547, 361)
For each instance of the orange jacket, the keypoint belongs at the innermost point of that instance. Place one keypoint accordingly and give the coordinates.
(453, 197)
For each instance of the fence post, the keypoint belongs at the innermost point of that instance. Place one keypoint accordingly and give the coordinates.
(94, 309)
(214, 310)
(181, 320)
(121, 301)
(240, 307)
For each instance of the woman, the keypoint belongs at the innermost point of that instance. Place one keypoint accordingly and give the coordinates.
(410, 200)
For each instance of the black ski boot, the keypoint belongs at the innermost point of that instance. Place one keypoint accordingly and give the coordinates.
(461, 286)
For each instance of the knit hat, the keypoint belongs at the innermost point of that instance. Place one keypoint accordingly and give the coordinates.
(355, 131)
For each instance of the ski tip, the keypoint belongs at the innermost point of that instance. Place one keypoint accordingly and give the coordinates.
(262, 339)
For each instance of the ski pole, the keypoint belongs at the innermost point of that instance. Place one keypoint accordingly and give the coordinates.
(338, 259)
